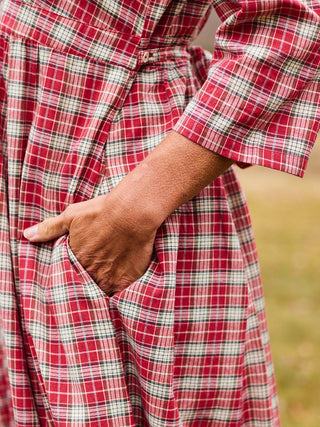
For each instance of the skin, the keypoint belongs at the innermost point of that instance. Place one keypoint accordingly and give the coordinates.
(113, 235)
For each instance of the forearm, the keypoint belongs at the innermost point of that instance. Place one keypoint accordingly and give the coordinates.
(170, 175)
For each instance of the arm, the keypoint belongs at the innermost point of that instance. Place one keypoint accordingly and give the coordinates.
(171, 174)
(260, 103)
(128, 217)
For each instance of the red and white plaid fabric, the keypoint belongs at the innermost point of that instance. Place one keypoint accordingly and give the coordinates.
(88, 88)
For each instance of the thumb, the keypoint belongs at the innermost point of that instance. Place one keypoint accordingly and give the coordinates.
(48, 229)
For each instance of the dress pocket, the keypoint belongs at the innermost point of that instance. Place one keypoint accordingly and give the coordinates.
(72, 334)
(150, 278)
(70, 284)
(93, 288)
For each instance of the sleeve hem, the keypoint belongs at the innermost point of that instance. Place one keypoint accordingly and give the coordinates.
(281, 161)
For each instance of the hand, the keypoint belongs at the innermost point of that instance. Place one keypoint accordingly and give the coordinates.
(113, 248)
(112, 236)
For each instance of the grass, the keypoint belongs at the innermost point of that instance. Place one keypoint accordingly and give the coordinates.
(285, 213)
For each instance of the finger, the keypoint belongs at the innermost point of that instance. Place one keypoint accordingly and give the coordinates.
(49, 229)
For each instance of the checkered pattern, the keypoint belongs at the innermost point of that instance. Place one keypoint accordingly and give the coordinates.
(88, 88)
(260, 104)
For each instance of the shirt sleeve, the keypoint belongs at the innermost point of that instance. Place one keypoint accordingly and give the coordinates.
(260, 103)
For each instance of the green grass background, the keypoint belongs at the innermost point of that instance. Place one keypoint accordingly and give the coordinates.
(285, 212)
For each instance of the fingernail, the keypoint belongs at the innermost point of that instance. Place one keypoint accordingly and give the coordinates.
(30, 232)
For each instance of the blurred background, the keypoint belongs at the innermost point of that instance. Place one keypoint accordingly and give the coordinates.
(285, 212)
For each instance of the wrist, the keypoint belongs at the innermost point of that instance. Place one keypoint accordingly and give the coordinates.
(126, 209)
(169, 176)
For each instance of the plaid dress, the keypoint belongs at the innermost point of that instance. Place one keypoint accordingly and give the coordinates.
(88, 88)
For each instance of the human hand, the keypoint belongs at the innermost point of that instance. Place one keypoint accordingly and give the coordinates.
(113, 235)
(113, 248)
